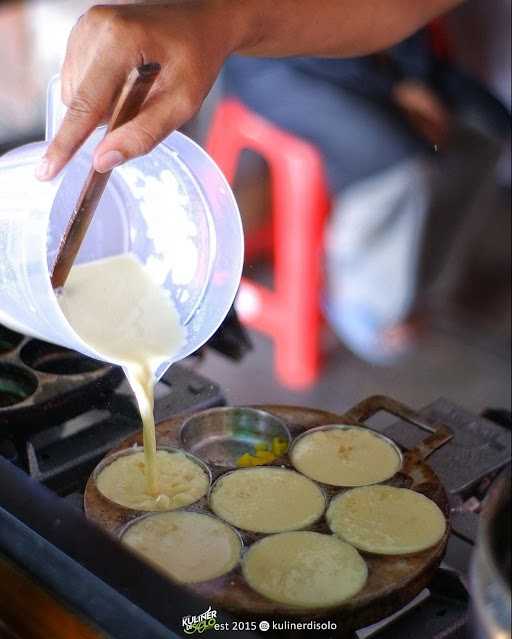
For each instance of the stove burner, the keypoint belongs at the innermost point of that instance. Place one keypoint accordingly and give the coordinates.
(59, 442)
(479, 447)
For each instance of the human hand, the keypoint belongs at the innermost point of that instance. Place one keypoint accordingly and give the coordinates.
(190, 40)
(424, 110)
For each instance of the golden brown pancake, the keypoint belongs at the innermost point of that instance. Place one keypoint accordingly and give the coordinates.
(189, 546)
(386, 520)
(304, 569)
(267, 500)
(345, 457)
(181, 481)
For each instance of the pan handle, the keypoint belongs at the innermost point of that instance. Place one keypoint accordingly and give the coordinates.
(439, 433)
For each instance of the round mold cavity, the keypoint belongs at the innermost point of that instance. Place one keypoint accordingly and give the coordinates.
(193, 513)
(57, 360)
(221, 436)
(346, 427)
(240, 518)
(9, 340)
(109, 459)
(304, 569)
(386, 520)
(16, 385)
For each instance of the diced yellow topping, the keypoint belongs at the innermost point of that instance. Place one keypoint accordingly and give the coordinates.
(279, 446)
(265, 456)
(244, 461)
(264, 453)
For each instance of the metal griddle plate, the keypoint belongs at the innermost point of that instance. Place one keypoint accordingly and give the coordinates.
(393, 580)
(48, 381)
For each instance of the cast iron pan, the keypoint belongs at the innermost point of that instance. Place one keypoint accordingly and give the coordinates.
(393, 580)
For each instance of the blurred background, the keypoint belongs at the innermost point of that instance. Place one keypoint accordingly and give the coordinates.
(376, 204)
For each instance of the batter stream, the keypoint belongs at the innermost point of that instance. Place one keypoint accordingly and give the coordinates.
(117, 309)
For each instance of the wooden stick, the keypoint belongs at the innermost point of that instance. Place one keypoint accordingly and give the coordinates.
(132, 96)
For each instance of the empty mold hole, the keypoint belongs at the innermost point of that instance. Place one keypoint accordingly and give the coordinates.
(16, 385)
(49, 358)
(9, 340)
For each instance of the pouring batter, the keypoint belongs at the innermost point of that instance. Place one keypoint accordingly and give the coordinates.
(118, 310)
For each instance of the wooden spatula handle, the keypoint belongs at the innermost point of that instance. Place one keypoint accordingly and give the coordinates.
(132, 96)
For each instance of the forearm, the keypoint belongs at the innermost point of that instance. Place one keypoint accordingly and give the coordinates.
(191, 40)
(329, 28)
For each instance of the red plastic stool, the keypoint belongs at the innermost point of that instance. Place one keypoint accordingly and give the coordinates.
(290, 313)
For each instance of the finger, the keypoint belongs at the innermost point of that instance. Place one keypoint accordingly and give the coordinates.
(160, 115)
(87, 109)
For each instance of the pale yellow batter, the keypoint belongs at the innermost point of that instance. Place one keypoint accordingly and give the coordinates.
(118, 310)
(339, 457)
(305, 569)
(267, 500)
(181, 481)
(188, 546)
(386, 520)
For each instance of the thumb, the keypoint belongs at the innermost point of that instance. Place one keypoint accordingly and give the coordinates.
(159, 116)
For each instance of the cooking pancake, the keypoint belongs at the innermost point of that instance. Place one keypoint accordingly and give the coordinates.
(267, 500)
(304, 569)
(189, 546)
(345, 457)
(180, 481)
(386, 520)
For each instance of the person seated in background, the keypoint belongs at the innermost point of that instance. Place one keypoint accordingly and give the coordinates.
(408, 143)
(378, 161)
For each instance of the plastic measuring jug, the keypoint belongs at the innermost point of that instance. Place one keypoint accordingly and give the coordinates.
(172, 208)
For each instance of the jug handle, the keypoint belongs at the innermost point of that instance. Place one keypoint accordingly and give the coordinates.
(55, 108)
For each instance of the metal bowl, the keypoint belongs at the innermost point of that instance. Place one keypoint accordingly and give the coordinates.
(221, 436)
